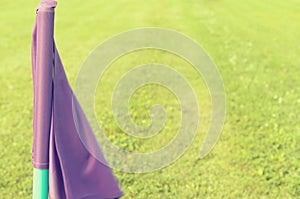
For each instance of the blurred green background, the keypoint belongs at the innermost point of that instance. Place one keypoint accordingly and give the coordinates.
(256, 46)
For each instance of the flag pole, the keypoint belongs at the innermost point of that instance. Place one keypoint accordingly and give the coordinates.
(43, 59)
(57, 145)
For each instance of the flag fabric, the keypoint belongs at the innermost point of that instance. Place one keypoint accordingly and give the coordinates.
(74, 173)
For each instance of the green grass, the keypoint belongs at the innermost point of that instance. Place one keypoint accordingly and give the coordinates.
(256, 46)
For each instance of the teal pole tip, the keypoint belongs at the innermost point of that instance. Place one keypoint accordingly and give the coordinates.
(40, 183)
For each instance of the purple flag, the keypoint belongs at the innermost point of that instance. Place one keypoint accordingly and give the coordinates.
(74, 173)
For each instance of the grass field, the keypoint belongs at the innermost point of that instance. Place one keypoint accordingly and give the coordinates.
(256, 46)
